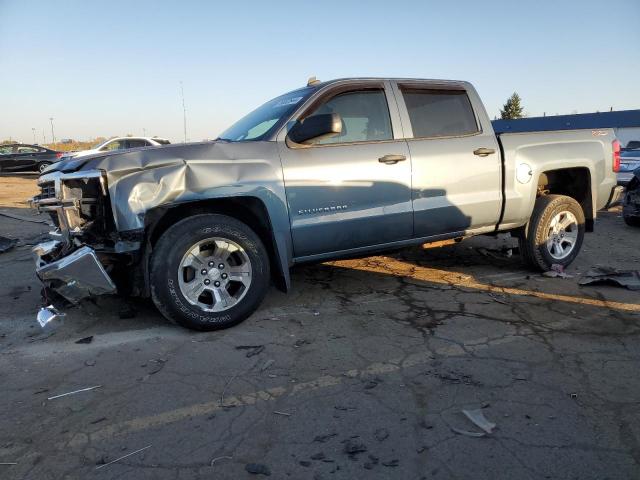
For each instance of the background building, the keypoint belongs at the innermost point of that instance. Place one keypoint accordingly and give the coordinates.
(626, 123)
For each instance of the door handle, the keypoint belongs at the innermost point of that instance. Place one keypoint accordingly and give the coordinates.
(483, 152)
(392, 159)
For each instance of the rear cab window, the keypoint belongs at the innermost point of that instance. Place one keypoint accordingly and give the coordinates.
(135, 143)
(437, 113)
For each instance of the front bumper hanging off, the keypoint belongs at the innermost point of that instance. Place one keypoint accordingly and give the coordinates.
(64, 264)
(75, 276)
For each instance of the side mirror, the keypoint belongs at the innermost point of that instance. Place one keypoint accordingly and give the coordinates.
(316, 127)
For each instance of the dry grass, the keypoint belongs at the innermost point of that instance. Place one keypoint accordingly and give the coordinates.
(74, 146)
(15, 191)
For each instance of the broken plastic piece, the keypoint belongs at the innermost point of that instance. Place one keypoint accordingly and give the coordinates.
(80, 273)
(49, 317)
(624, 278)
(557, 270)
(7, 244)
(478, 418)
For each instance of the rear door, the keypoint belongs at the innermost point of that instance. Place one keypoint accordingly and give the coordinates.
(352, 190)
(455, 158)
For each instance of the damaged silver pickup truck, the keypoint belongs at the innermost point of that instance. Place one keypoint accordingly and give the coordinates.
(331, 170)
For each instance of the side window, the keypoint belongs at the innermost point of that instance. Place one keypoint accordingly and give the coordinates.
(115, 145)
(439, 113)
(6, 150)
(364, 113)
(27, 150)
(137, 143)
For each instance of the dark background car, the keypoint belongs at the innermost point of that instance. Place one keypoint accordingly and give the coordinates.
(629, 162)
(632, 145)
(19, 157)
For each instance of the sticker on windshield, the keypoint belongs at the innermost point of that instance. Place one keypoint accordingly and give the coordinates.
(287, 101)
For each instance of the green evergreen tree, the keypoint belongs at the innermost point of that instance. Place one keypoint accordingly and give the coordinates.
(512, 109)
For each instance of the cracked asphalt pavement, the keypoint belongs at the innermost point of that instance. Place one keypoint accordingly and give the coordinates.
(362, 371)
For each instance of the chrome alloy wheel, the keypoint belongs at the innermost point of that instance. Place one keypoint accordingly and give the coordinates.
(214, 274)
(562, 235)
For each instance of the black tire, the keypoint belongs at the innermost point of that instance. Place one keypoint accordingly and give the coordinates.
(533, 236)
(165, 267)
(631, 221)
(42, 166)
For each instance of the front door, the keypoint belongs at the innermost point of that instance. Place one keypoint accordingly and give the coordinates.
(24, 158)
(6, 156)
(455, 159)
(352, 190)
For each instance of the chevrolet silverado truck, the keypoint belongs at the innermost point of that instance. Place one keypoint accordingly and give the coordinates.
(331, 170)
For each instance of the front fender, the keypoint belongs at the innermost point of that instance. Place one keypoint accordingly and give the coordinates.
(145, 179)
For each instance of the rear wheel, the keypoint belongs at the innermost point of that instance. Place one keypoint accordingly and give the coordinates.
(631, 221)
(209, 272)
(554, 233)
(43, 166)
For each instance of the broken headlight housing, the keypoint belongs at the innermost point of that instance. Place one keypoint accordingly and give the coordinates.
(78, 204)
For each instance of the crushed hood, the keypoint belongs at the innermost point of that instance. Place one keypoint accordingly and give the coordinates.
(144, 178)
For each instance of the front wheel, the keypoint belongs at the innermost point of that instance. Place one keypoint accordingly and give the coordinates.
(208, 272)
(554, 233)
(43, 166)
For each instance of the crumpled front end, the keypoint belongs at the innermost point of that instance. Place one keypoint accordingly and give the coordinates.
(73, 263)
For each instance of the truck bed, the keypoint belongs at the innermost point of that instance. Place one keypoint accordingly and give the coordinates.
(586, 153)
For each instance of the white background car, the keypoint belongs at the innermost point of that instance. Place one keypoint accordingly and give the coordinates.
(121, 143)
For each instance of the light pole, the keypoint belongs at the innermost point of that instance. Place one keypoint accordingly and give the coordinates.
(33, 130)
(144, 132)
(184, 112)
(53, 135)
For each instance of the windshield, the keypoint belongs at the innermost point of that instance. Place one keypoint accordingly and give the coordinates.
(99, 144)
(263, 120)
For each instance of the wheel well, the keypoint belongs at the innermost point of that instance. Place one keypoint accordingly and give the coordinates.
(248, 210)
(572, 182)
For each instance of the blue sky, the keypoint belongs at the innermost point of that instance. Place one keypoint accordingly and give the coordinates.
(103, 68)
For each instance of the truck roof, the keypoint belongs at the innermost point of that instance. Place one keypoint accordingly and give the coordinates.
(459, 83)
